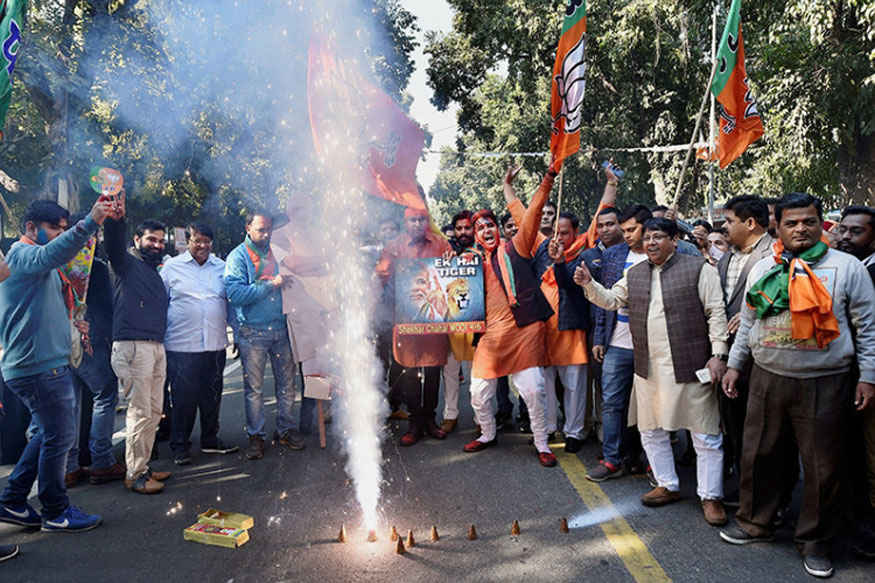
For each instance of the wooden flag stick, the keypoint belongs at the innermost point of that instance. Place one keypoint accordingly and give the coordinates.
(677, 193)
(559, 202)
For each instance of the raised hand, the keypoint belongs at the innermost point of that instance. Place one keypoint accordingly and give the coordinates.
(510, 176)
(582, 276)
(556, 250)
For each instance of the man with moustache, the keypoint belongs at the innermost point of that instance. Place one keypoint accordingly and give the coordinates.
(195, 342)
(810, 315)
(461, 349)
(856, 234)
(138, 328)
(254, 284)
(418, 359)
(678, 327)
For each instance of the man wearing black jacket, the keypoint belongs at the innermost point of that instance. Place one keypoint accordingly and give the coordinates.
(139, 323)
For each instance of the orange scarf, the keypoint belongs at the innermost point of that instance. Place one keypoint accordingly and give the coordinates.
(571, 254)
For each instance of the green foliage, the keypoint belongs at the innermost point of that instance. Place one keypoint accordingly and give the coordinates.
(810, 64)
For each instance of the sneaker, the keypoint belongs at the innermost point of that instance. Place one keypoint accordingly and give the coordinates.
(221, 448)
(182, 459)
(7, 552)
(660, 496)
(525, 427)
(410, 438)
(255, 451)
(71, 520)
(604, 471)
(547, 459)
(103, 475)
(818, 566)
(144, 485)
(290, 439)
(735, 535)
(22, 516)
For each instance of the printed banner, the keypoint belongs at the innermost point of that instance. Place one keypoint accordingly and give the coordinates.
(78, 271)
(569, 82)
(434, 296)
(11, 20)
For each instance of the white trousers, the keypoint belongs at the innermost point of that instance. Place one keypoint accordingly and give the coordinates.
(529, 384)
(573, 377)
(709, 461)
(451, 384)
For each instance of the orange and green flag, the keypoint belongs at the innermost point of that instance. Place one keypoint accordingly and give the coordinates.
(11, 23)
(569, 83)
(740, 122)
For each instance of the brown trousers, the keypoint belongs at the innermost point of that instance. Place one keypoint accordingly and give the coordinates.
(814, 412)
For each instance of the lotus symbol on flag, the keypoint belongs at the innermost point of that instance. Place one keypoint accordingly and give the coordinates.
(571, 85)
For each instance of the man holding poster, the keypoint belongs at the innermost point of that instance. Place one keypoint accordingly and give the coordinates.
(418, 359)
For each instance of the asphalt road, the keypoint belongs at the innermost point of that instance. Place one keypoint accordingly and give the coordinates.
(300, 499)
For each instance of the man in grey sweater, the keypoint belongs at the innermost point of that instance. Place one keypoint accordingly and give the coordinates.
(810, 314)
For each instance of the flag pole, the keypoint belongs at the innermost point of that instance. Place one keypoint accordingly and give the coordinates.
(711, 173)
(677, 194)
(559, 202)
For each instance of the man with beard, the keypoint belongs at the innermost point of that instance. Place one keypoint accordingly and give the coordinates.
(253, 283)
(461, 348)
(516, 312)
(138, 327)
(418, 360)
(856, 235)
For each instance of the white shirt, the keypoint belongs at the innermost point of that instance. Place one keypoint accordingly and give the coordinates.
(197, 315)
(622, 336)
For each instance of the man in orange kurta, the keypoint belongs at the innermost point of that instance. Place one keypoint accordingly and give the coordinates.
(516, 310)
(566, 329)
(418, 360)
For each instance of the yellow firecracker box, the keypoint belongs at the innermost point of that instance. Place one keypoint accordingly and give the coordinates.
(216, 535)
(226, 519)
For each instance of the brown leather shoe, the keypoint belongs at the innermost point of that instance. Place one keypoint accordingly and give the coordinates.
(660, 496)
(715, 514)
(255, 451)
(72, 479)
(144, 485)
(103, 475)
(158, 476)
(399, 414)
(449, 425)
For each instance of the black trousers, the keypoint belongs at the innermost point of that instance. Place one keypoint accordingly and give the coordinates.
(419, 388)
(196, 382)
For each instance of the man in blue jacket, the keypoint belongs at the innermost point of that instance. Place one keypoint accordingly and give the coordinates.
(253, 284)
(33, 306)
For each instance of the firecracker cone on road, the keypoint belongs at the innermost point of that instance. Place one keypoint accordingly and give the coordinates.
(341, 538)
(563, 525)
(410, 541)
(399, 547)
(372, 536)
(434, 534)
(515, 528)
(393, 534)
(472, 533)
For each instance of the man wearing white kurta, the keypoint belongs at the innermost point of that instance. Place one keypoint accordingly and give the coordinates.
(673, 336)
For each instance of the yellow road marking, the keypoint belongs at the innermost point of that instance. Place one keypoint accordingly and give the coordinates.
(630, 548)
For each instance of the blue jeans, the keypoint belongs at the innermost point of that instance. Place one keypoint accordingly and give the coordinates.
(49, 398)
(617, 371)
(102, 424)
(256, 346)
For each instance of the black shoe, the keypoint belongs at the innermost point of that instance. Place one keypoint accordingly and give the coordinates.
(290, 439)
(524, 427)
(572, 445)
(818, 566)
(220, 447)
(7, 552)
(635, 468)
(651, 478)
(731, 500)
(182, 459)
(737, 536)
(255, 451)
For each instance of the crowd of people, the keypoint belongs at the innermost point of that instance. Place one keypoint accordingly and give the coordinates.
(751, 343)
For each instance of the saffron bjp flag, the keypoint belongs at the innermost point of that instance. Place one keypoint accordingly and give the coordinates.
(361, 130)
(740, 122)
(566, 103)
(11, 21)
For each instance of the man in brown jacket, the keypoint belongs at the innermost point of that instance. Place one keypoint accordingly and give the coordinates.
(678, 326)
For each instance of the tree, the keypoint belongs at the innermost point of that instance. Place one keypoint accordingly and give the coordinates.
(648, 62)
